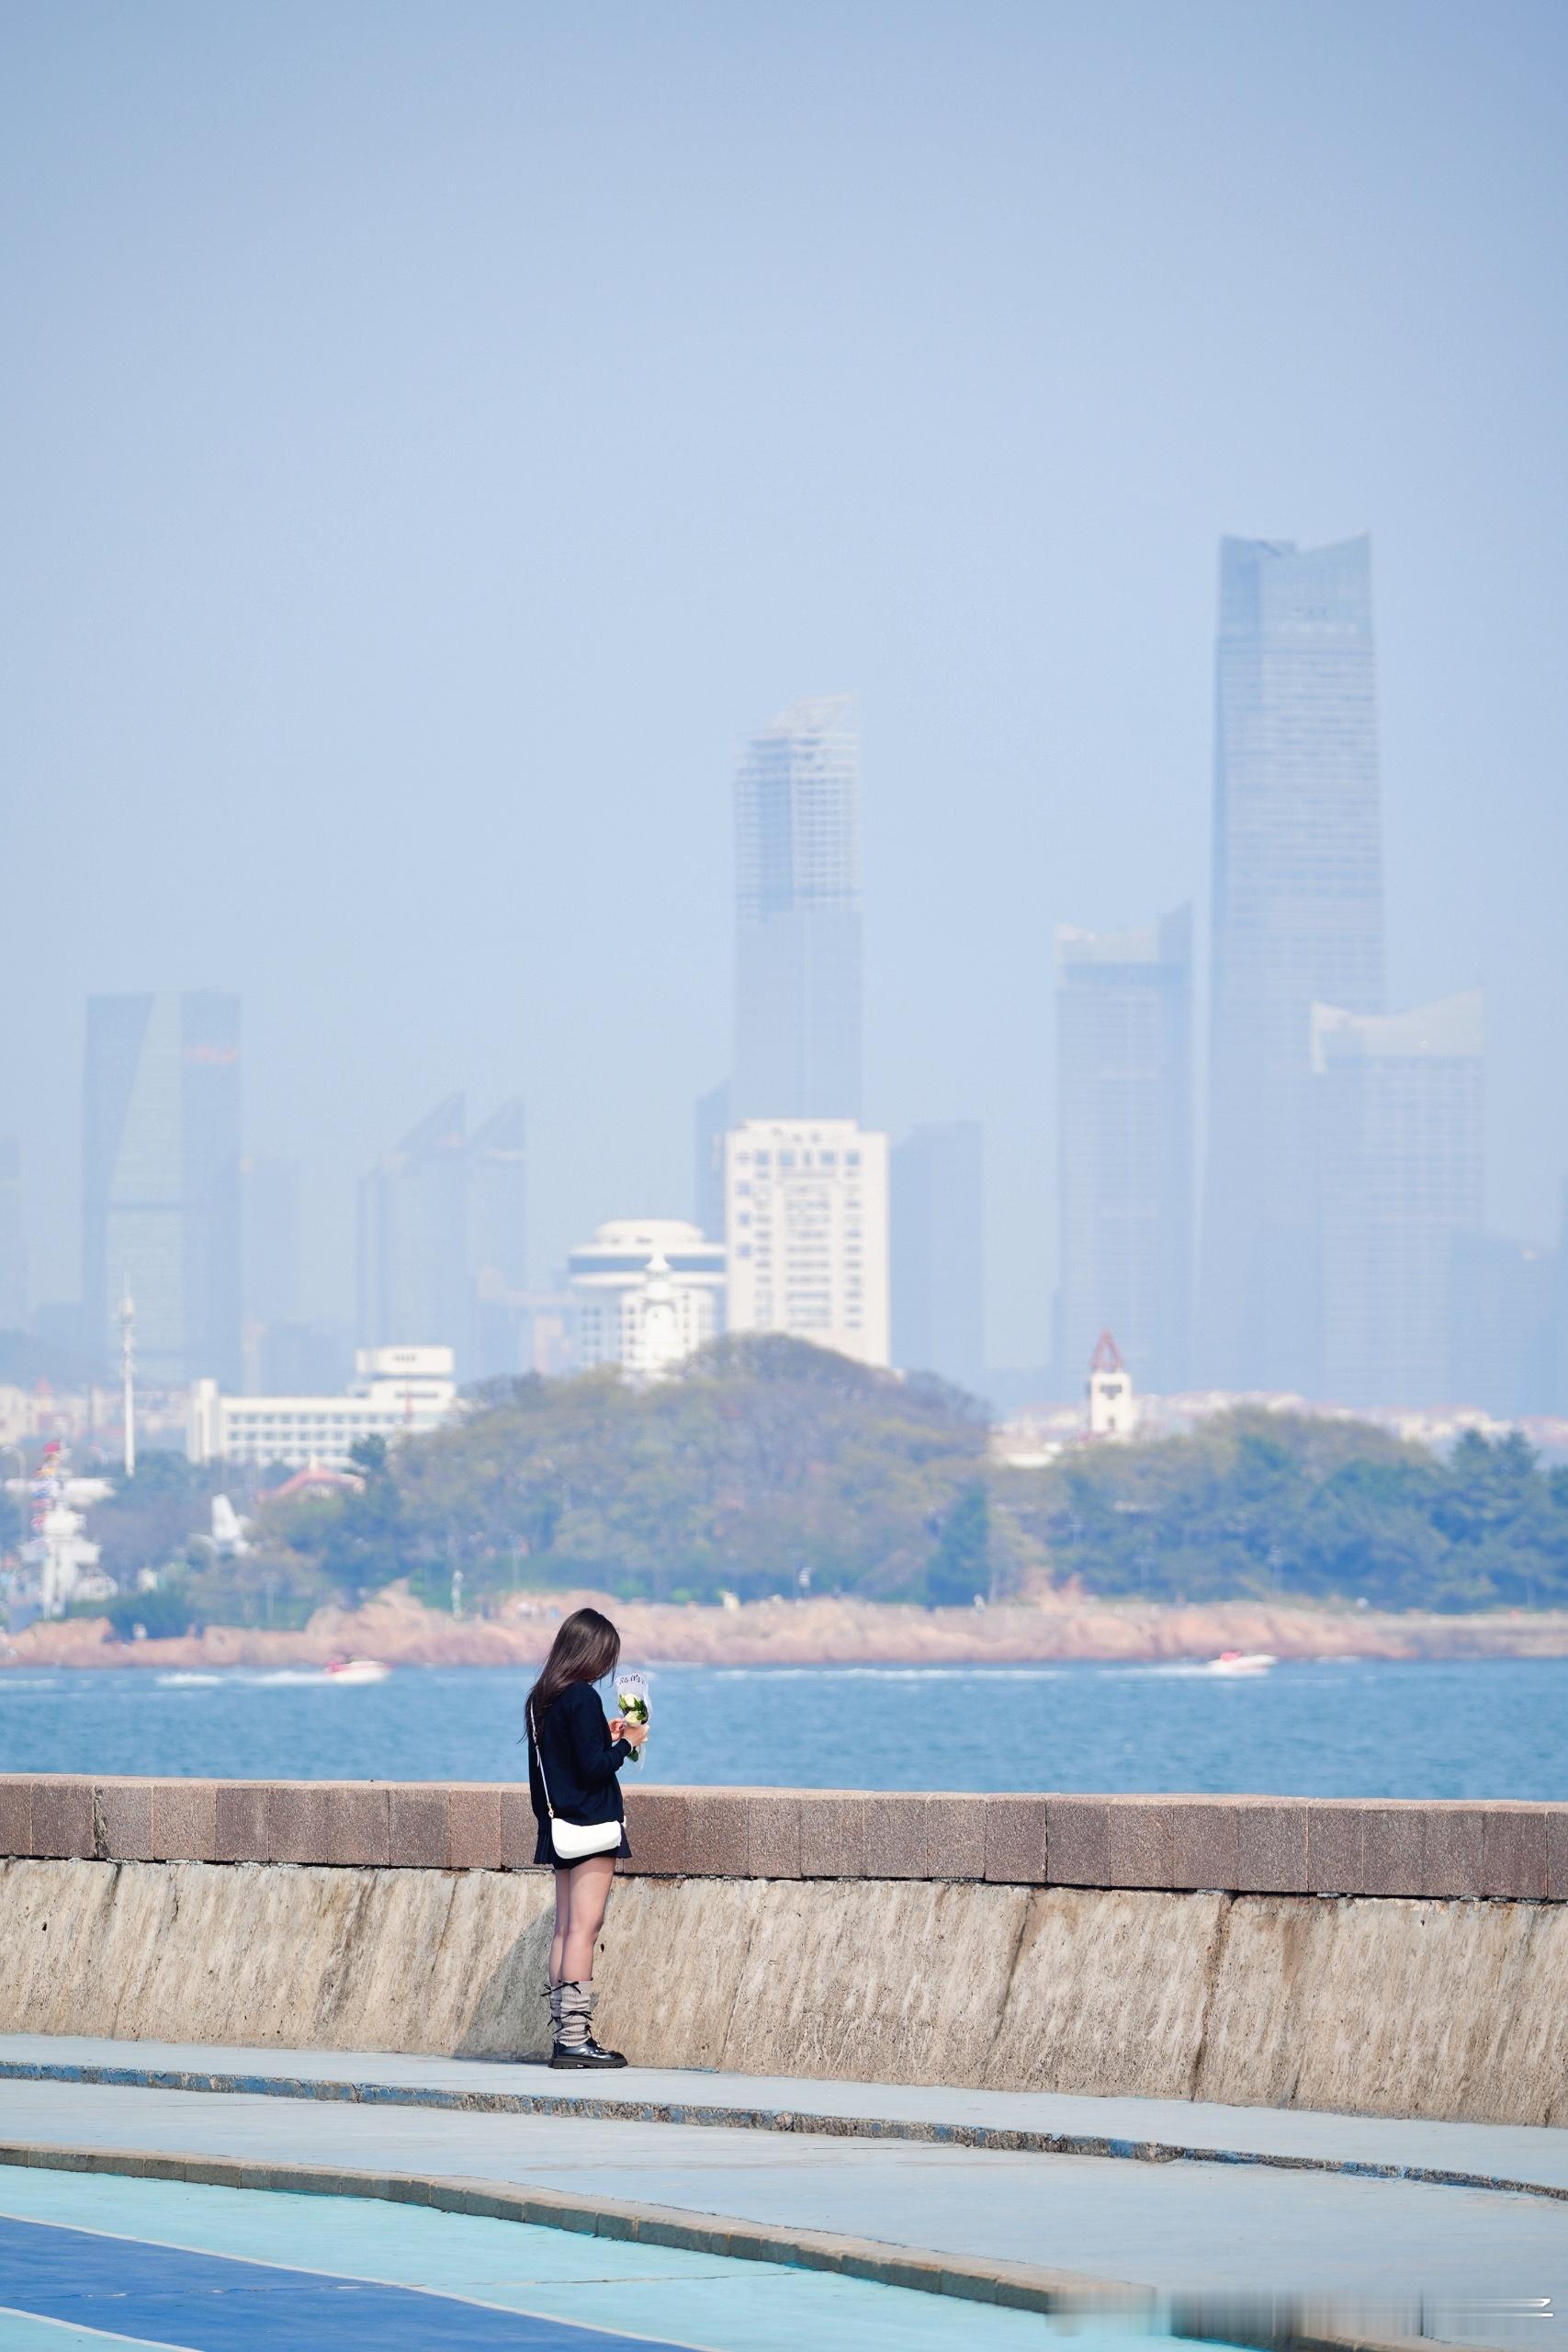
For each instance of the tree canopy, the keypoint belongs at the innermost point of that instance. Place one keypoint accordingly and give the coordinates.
(1271, 1504)
(763, 1458)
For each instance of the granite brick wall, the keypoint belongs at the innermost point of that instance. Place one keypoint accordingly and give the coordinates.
(1228, 1844)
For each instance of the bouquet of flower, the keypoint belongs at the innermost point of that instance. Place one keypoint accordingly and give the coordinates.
(631, 1700)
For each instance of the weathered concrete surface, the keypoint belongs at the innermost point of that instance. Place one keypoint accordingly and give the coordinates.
(1446, 2010)
(1236, 1845)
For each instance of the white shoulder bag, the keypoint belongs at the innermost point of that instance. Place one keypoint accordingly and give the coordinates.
(573, 1840)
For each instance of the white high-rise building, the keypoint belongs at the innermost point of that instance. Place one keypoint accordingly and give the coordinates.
(646, 1294)
(806, 1216)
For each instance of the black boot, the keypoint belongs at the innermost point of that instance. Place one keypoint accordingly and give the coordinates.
(575, 2045)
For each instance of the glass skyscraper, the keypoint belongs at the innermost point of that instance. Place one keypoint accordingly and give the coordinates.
(936, 1216)
(443, 1239)
(1397, 1102)
(798, 976)
(1297, 921)
(497, 1242)
(13, 1239)
(413, 1237)
(1124, 1127)
(710, 1125)
(160, 1210)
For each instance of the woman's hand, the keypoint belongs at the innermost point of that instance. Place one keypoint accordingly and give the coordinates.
(633, 1734)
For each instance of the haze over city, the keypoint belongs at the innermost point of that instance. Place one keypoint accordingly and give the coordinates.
(441, 444)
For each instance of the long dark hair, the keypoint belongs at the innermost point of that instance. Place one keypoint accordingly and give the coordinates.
(586, 1649)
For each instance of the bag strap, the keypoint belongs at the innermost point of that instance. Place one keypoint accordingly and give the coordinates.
(539, 1753)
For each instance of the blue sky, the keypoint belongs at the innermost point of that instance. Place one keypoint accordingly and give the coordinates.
(436, 436)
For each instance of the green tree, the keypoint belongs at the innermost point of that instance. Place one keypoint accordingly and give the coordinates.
(961, 1565)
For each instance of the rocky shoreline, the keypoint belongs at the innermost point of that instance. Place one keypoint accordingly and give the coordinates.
(396, 1628)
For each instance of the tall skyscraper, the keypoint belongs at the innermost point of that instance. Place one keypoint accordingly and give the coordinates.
(161, 1180)
(1125, 1129)
(1297, 921)
(937, 1220)
(1501, 1341)
(497, 1243)
(1397, 1098)
(806, 1219)
(443, 1239)
(270, 1193)
(13, 1239)
(710, 1125)
(798, 968)
(413, 1237)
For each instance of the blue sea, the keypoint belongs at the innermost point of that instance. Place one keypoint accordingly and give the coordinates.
(1360, 1727)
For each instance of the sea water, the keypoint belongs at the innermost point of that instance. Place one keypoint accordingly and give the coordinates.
(1353, 1728)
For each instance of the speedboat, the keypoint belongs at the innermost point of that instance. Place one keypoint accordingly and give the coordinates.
(356, 1669)
(1241, 1662)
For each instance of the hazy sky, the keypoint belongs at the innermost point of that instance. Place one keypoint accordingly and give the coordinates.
(436, 435)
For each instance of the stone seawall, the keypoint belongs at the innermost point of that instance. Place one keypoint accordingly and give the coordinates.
(1396, 1959)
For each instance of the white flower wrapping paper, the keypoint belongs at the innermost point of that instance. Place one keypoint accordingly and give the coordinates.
(631, 1703)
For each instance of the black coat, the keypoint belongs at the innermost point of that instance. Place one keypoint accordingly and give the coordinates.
(580, 1760)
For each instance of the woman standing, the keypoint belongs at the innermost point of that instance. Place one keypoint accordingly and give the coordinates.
(573, 1757)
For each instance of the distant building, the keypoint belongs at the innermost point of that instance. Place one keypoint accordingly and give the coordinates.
(161, 1209)
(646, 1294)
(1124, 1143)
(1398, 1103)
(548, 1333)
(60, 1562)
(1501, 1302)
(497, 1243)
(413, 1252)
(937, 1216)
(443, 1238)
(797, 971)
(12, 1239)
(808, 1233)
(1112, 1403)
(302, 1359)
(269, 1225)
(710, 1125)
(1297, 921)
(270, 1230)
(396, 1391)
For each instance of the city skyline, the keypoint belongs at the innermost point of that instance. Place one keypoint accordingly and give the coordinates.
(1365, 1148)
(392, 583)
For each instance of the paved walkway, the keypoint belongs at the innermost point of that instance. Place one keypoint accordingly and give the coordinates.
(88, 2260)
(1469, 2264)
(1493, 2155)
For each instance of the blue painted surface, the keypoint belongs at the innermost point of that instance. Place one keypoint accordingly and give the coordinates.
(20, 2332)
(675, 2296)
(165, 2294)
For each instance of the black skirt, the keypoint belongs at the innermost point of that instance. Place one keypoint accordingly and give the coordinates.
(545, 1852)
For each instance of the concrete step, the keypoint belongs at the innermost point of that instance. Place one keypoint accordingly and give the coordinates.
(1508, 2157)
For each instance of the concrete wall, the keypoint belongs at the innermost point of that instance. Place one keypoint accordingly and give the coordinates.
(1391, 1959)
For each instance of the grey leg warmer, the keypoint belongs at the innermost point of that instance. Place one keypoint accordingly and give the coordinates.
(576, 2015)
